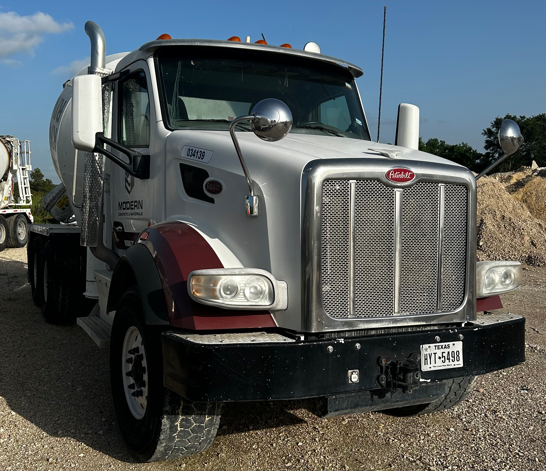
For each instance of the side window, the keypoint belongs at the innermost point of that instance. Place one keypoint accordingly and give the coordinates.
(335, 113)
(134, 116)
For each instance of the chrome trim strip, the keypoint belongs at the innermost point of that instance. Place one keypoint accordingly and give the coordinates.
(441, 227)
(314, 174)
(397, 247)
(352, 200)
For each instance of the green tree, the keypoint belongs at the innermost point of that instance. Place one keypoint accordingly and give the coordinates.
(462, 154)
(533, 130)
(39, 186)
(38, 183)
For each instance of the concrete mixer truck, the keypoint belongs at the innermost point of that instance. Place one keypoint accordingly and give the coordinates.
(15, 214)
(243, 239)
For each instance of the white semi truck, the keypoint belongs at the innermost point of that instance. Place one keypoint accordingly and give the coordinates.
(244, 240)
(15, 213)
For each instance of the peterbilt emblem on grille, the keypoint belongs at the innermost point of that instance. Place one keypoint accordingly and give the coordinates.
(213, 187)
(400, 175)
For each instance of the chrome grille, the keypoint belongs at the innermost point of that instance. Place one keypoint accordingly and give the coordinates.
(392, 252)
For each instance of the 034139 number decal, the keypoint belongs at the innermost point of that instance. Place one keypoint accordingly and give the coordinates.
(195, 153)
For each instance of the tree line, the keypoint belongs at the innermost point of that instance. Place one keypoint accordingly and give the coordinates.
(533, 129)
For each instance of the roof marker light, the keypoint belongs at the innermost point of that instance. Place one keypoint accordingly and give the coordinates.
(164, 36)
(261, 41)
(312, 47)
(235, 38)
(286, 45)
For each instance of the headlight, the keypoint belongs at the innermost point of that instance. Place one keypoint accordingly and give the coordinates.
(238, 288)
(497, 277)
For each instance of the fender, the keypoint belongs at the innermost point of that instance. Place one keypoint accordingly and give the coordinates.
(178, 249)
(137, 266)
(489, 304)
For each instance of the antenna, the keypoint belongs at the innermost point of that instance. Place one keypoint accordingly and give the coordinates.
(381, 82)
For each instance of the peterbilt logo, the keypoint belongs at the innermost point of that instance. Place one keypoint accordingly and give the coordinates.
(213, 187)
(400, 175)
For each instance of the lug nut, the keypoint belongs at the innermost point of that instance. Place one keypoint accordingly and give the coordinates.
(357, 346)
(330, 349)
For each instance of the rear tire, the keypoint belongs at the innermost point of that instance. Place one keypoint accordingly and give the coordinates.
(456, 391)
(156, 423)
(34, 261)
(18, 231)
(59, 297)
(3, 233)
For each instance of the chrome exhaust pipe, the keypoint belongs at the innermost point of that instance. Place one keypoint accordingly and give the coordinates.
(98, 49)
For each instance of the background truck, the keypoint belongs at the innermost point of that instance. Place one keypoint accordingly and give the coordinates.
(243, 239)
(15, 215)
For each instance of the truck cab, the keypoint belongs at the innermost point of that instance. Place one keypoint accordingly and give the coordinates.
(244, 239)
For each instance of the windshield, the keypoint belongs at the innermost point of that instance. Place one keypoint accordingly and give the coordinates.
(206, 88)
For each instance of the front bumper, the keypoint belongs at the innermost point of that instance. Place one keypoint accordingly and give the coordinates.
(258, 366)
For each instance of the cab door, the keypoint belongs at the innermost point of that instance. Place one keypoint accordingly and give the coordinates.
(132, 199)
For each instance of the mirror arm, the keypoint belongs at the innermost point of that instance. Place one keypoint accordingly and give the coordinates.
(492, 166)
(238, 149)
(138, 166)
(251, 201)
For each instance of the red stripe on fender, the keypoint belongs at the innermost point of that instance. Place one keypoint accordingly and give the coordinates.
(489, 304)
(178, 249)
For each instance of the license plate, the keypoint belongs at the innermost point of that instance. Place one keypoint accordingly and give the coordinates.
(441, 356)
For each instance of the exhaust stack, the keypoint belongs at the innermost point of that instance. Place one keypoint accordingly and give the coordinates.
(98, 49)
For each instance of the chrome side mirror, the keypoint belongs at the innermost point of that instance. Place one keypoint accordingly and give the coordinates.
(510, 140)
(272, 119)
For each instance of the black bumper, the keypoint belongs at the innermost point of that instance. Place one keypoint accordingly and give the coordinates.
(206, 372)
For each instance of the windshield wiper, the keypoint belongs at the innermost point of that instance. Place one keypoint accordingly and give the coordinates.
(320, 127)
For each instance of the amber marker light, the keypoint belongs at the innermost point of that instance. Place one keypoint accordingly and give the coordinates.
(164, 36)
(286, 45)
(235, 38)
(261, 41)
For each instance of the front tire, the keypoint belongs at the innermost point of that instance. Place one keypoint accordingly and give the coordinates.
(18, 231)
(156, 423)
(456, 392)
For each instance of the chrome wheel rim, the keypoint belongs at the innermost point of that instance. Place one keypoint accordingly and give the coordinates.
(134, 370)
(2, 234)
(21, 230)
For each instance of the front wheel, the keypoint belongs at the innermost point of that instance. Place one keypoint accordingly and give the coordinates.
(156, 423)
(456, 391)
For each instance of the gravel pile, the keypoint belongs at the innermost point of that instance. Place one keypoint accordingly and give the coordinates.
(511, 221)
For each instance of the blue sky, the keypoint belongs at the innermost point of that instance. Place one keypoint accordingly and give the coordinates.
(462, 62)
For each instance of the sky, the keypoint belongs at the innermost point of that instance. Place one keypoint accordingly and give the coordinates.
(463, 63)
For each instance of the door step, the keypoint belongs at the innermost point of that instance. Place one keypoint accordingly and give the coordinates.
(99, 330)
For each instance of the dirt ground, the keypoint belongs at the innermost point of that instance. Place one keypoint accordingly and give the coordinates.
(56, 410)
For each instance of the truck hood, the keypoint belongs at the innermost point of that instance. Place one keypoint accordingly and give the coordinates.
(327, 147)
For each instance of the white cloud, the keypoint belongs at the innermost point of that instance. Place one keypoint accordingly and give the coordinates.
(11, 62)
(72, 69)
(24, 33)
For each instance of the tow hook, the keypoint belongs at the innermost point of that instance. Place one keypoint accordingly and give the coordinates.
(396, 374)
